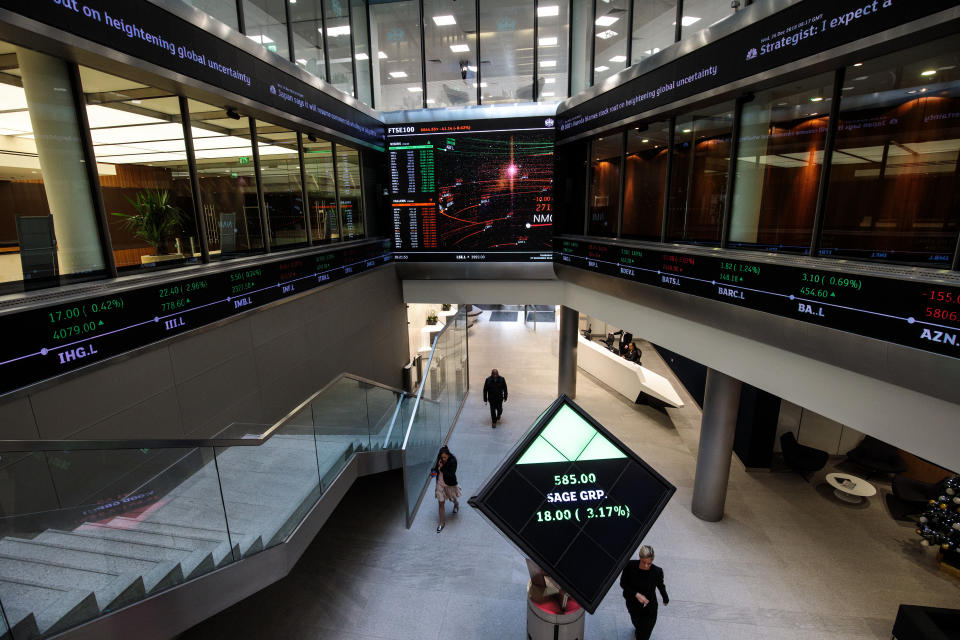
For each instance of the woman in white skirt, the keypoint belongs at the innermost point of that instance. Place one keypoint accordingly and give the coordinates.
(447, 487)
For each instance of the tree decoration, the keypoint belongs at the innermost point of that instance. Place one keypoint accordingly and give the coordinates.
(940, 523)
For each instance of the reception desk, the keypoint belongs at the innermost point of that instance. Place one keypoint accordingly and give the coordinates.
(627, 378)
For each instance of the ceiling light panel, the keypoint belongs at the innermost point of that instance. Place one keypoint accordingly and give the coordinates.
(606, 21)
(459, 48)
(549, 41)
(443, 21)
(547, 11)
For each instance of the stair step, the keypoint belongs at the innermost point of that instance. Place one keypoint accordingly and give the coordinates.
(33, 611)
(190, 560)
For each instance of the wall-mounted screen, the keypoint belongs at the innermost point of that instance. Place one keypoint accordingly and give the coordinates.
(575, 499)
(472, 191)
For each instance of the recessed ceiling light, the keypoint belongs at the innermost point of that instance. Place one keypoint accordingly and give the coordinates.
(261, 39)
(549, 80)
(362, 56)
(689, 20)
(929, 72)
(858, 64)
(606, 21)
(381, 55)
(431, 101)
(645, 140)
(686, 130)
(302, 61)
(414, 89)
(860, 78)
(606, 35)
(816, 99)
(334, 32)
(442, 21)
(912, 91)
(398, 74)
(548, 63)
(459, 48)
(618, 59)
(549, 10)
(848, 88)
(482, 84)
(548, 94)
(549, 41)
(601, 68)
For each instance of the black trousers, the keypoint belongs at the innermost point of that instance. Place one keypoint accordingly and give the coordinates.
(496, 409)
(643, 619)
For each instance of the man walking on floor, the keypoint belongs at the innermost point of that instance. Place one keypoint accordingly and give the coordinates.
(495, 391)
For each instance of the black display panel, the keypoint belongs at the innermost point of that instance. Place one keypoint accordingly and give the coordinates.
(798, 31)
(575, 499)
(46, 342)
(472, 191)
(145, 31)
(915, 314)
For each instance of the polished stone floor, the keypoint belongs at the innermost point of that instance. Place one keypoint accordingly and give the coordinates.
(788, 560)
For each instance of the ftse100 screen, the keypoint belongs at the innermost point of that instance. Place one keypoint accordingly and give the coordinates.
(472, 191)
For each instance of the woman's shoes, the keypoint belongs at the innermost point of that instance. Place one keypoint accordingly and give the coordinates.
(456, 508)
(440, 528)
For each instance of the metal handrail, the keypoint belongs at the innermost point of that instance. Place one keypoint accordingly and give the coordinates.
(30, 446)
(426, 370)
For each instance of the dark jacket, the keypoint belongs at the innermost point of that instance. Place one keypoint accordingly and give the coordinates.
(635, 580)
(449, 470)
(495, 389)
(631, 355)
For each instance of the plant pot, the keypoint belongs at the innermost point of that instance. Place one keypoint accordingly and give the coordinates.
(161, 258)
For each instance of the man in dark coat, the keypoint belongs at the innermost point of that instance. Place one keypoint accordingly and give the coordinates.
(639, 580)
(495, 392)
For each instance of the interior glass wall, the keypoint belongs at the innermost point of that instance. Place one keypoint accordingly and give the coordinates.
(280, 177)
(339, 45)
(698, 180)
(506, 50)
(553, 49)
(783, 131)
(395, 36)
(307, 24)
(611, 29)
(703, 14)
(653, 27)
(362, 66)
(265, 22)
(450, 45)
(570, 172)
(645, 181)
(321, 191)
(138, 140)
(228, 185)
(894, 176)
(604, 196)
(349, 188)
(48, 223)
(223, 10)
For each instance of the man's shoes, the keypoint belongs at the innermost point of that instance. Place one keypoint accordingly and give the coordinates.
(440, 528)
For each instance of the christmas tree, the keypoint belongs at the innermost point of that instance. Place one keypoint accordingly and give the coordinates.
(940, 524)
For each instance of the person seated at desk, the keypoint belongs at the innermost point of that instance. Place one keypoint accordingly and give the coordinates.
(625, 338)
(631, 353)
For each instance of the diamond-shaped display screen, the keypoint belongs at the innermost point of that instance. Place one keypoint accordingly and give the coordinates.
(575, 499)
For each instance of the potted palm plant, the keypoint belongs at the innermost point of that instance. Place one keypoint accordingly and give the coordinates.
(154, 222)
(432, 318)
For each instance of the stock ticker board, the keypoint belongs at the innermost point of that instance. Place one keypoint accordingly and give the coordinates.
(907, 312)
(45, 342)
(472, 191)
(575, 500)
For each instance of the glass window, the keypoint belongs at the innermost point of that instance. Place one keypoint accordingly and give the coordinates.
(48, 224)
(324, 221)
(349, 188)
(395, 36)
(581, 42)
(553, 48)
(361, 50)
(337, 13)
(604, 197)
(450, 39)
(645, 181)
(611, 27)
(306, 19)
(265, 22)
(506, 50)
(778, 166)
(228, 185)
(894, 173)
(698, 181)
(702, 14)
(280, 177)
(654, 25)
(137, 137)
(223, 10)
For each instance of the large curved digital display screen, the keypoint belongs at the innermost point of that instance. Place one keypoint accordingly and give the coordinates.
(575, 499)
(55, 339)
(472, 191)
(913, 313)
